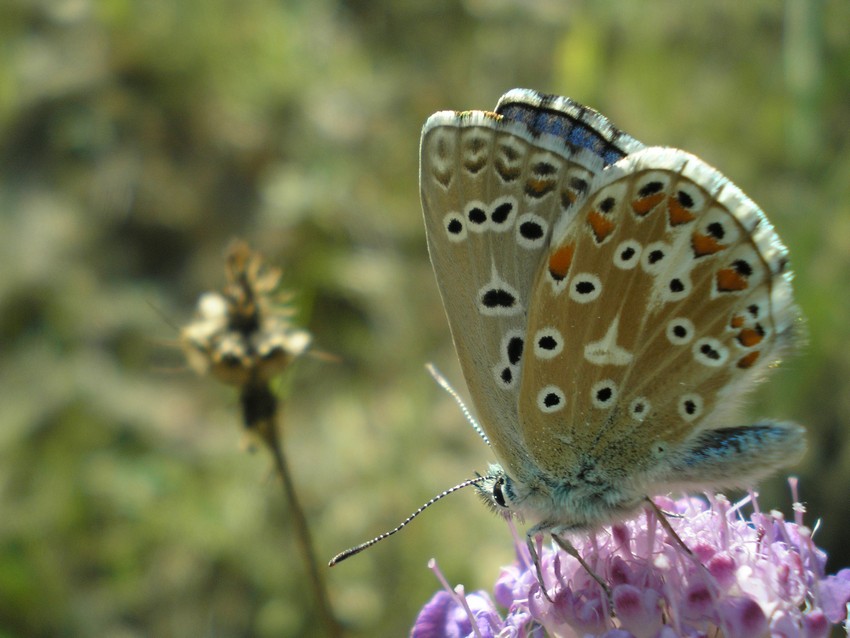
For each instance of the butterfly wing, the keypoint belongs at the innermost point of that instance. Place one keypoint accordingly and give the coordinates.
(575, 125)
(493, 187)
(662, 299)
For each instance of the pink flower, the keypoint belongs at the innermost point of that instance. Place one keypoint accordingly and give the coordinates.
(749, 577)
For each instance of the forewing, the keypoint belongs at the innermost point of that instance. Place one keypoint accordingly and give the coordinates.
(491, 194)
(661, 301)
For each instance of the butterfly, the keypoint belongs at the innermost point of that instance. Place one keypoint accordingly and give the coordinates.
(610, 303)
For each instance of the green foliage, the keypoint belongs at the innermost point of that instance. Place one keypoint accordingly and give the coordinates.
(137, 137)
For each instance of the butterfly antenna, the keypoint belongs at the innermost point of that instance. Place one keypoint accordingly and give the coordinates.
(439, 378)
(359, 548)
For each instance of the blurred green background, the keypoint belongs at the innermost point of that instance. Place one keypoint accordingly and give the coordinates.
(137, 137)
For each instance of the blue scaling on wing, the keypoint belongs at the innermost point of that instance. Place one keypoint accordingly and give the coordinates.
(579, 126)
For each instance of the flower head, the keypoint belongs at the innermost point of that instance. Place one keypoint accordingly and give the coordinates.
(746, 577)
(242, 338)
(239, 335)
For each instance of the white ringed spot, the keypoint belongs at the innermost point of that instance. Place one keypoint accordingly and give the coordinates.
(476, 216)
(676, 288)
(603, 394)
(498, 298)
(639, 408)
(531, 231)
(502, 213)
(680, 331)
(690, 407)
(513, 344)
(627, 254)
(548, 343)
(551, 399)
(654, 257)
(710, 352)
(585, 287)
(455, 226)
(506, 375)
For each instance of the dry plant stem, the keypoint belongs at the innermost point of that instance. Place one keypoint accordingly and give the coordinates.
(259, 406)
(305, 543)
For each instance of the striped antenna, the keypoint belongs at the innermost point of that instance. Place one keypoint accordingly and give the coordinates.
(359, 548)
(444, 384)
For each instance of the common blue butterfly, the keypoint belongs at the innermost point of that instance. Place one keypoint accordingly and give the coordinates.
(609, 302)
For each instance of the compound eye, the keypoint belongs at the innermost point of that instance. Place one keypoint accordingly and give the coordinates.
(498, 495)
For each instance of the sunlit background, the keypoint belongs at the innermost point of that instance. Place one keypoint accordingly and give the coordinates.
(137, 137)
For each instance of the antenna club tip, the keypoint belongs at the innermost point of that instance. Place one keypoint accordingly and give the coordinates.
(338, 559)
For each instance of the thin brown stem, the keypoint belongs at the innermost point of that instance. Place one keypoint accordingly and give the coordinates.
(305, 545)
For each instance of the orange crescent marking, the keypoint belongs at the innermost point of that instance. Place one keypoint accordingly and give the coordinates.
(601, 225)
(539, 187)
(560, 261)
(748, 360)
(728, 280)
(749, 337)
(737, 321)
(568, 198)
(507, 172)
(705, 245)
(645, 204)
(678, 214)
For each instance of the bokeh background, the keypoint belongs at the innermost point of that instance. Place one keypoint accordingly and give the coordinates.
(137, 137)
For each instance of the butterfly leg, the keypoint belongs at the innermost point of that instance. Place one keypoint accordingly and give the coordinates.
(568, 547)
(535, 559)
(665, 523)
(662, 518)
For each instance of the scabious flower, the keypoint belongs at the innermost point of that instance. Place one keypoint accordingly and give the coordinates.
(747, 577)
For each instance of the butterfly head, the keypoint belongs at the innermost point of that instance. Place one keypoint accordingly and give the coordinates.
(497, 491)
(555, 504)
